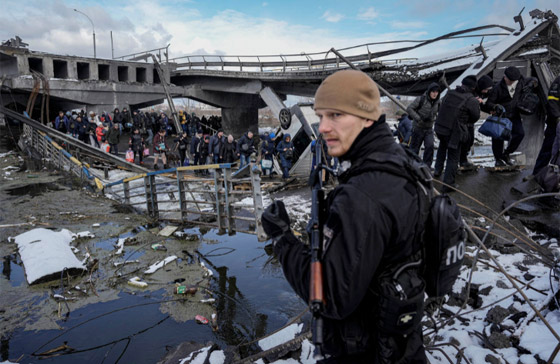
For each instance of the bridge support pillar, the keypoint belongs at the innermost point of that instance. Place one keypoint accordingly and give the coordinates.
(238, 120)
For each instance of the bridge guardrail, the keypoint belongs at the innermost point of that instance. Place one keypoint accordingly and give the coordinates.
(359, 55)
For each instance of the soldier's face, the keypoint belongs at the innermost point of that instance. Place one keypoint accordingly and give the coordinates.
(340, 130)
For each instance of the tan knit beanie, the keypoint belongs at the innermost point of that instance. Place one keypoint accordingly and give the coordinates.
(352, 92)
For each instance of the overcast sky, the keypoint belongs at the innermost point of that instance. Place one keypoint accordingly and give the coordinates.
(244, 27)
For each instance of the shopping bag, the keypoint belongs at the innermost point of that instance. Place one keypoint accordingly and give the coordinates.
(146, 152)
(496, 127)
(266, 163)
(129, 156)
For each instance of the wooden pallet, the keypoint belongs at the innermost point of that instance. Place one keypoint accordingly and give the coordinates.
(243, 187)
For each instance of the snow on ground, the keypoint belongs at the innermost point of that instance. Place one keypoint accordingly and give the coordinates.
(45, 252)
(281, 336)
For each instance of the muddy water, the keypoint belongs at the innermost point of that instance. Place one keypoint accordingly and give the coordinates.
(107, 319)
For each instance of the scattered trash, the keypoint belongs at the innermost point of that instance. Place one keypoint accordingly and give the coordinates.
(136, 282)
(207, 272)
(214, 322)
(96, 224)
(130, 241)
(185, 236)
(119, 246)
(185, 290)
(83, 234)
(159, 247)
(117, 264)
(201, 320)
(168, 230)
(208, 300)
(160, 264)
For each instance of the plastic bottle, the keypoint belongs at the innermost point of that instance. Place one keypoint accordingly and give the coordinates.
(185, 290)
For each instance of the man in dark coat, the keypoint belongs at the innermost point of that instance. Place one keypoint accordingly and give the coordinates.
(483, 87)
(216, 142)
(507, 93)
(404, 128)
(245, 147)
(285, 150)
(423, 111)
(113, 137)
(370, 226)
(195, 141)
(459, 109)
(228, 150)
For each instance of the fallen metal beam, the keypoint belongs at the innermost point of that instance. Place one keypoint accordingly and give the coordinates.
(72, 141)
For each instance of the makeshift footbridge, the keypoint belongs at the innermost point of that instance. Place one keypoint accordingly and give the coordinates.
(208, 195)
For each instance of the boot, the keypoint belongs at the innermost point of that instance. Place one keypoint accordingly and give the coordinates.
(156, 167)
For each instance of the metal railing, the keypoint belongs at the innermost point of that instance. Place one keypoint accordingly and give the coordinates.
(359, 55)
(146, 55)
(175, 194)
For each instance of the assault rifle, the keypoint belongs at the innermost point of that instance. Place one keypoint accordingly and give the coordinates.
(316, 296)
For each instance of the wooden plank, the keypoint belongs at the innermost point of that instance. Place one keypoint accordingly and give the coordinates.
(168, 230)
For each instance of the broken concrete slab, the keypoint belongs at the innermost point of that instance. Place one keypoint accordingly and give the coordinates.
(46, 253)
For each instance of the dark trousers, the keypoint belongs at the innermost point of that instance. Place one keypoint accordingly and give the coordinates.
(426, 136)
(517, 134)
(452, 155)
(114, 149)
(466, 146)
(183, 155)
(546, 150)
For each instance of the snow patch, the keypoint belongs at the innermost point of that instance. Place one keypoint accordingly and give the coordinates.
(45, 252)
(280, 337)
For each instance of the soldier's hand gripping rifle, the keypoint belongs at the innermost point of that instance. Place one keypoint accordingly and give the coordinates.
(316, 296)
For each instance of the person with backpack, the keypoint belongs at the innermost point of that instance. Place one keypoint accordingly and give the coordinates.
(459, 108)
(423, 111)
(404, 128)
(61, 123)
(507, 93)
(372, 228)
(285, 151)
(267, 152)
(245, 147)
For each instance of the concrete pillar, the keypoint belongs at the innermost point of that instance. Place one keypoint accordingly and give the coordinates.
(48, 69)
(238, 120)
(93, 71)
(73, 70)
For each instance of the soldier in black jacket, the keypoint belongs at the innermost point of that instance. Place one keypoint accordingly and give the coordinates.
(370, 228)
(459, 108)
(507, 93)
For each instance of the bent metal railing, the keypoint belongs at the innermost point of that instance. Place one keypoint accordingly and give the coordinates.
(358, 55)
(176, 194)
